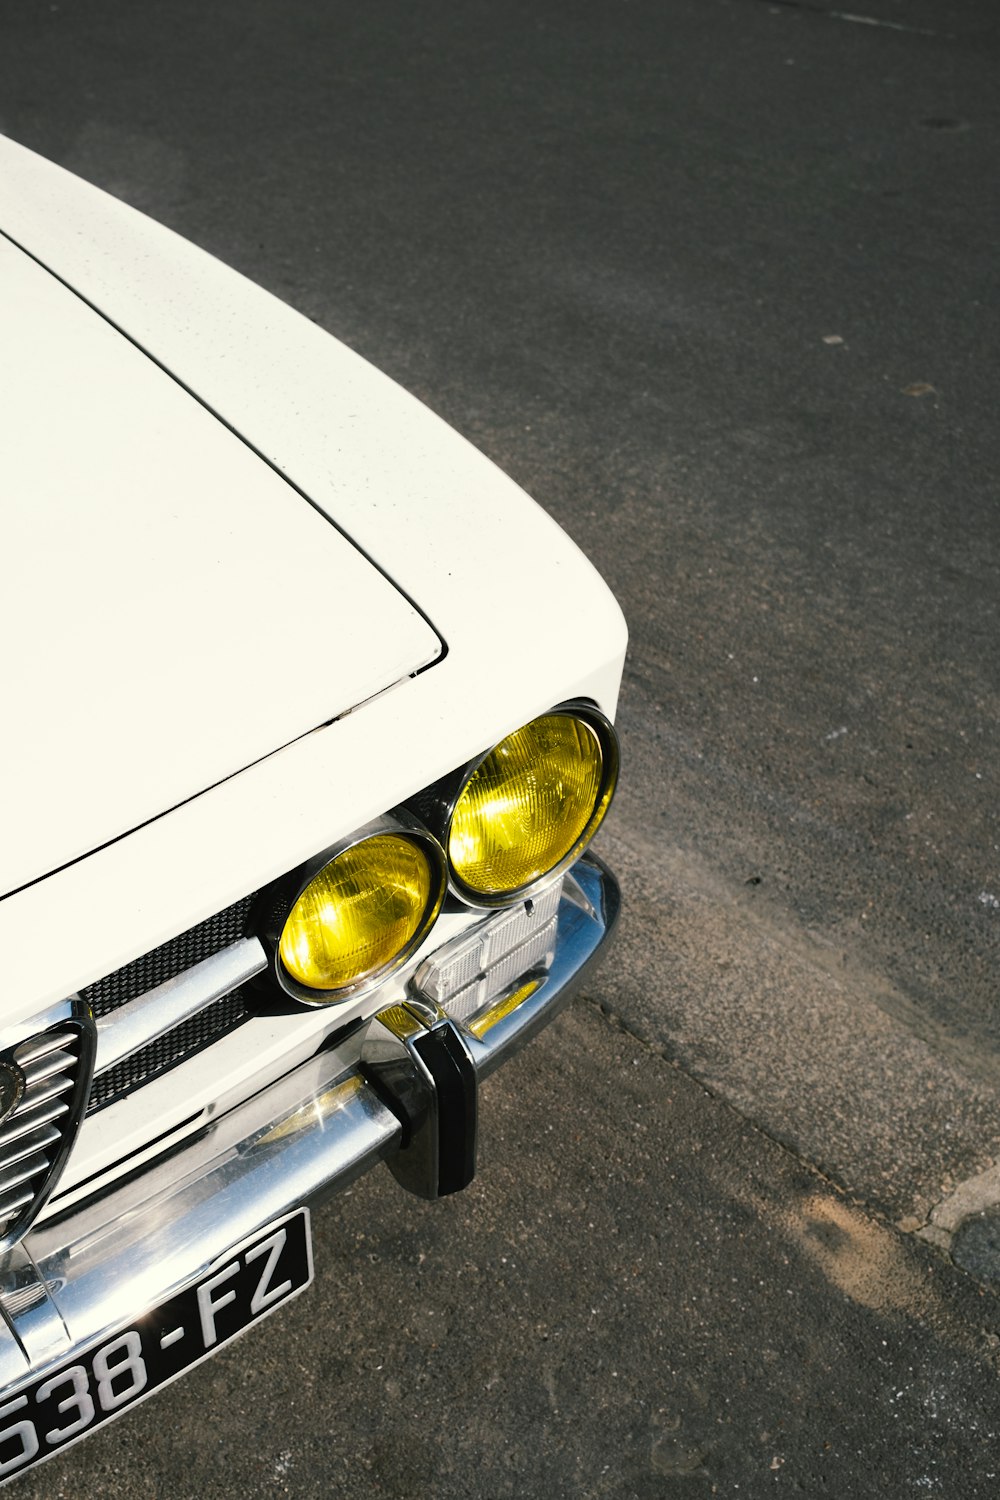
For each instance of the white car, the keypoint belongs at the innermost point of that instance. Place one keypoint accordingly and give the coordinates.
(308, 725)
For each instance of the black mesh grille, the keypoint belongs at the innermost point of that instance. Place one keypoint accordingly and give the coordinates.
(168, 1050)
(169, 959)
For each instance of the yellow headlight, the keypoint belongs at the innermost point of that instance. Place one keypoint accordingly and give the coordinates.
(533, 802)
(361, 912)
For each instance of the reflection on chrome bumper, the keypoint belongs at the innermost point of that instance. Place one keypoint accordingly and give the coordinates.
(91, 1269)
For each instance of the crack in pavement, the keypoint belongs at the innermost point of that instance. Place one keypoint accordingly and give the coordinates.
(976, 1195)
(859, 20)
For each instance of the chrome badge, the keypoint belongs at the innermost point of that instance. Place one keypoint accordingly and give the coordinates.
(11, 1088)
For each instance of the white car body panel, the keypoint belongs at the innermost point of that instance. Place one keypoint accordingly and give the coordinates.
(525, 618)
(179, 612)
(257, 597)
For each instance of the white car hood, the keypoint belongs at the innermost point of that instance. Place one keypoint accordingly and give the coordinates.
(173, 610)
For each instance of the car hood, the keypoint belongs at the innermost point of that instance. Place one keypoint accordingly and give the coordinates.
(173, 609)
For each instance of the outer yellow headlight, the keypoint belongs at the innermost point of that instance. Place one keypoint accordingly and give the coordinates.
(361, 914)
(532, 804)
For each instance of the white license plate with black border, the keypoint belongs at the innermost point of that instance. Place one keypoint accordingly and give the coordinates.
(121, 1369)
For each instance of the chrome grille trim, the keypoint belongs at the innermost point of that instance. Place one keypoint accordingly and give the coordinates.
(23, 1171)
(58, 1060)
(15, 1202)
(142, 1020)
(49, 1088)
(40, 1046)
(36, 1136)
(36, 1118)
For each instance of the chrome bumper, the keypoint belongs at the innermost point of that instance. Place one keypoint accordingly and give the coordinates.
(94, 1268)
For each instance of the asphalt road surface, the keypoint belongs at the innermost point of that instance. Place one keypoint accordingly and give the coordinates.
(715, 280)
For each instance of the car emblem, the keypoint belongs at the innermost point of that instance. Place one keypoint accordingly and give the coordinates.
(11, 1088)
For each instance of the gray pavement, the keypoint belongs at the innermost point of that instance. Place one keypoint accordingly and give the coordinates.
(716, 281)
(642, 1296)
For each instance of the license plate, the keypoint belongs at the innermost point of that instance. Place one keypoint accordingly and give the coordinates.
(125, 1368)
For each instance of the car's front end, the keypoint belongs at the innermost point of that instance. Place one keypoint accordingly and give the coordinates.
(312, 732)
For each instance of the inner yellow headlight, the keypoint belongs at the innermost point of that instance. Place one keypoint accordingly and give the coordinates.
(535, 800)
(361, 912)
